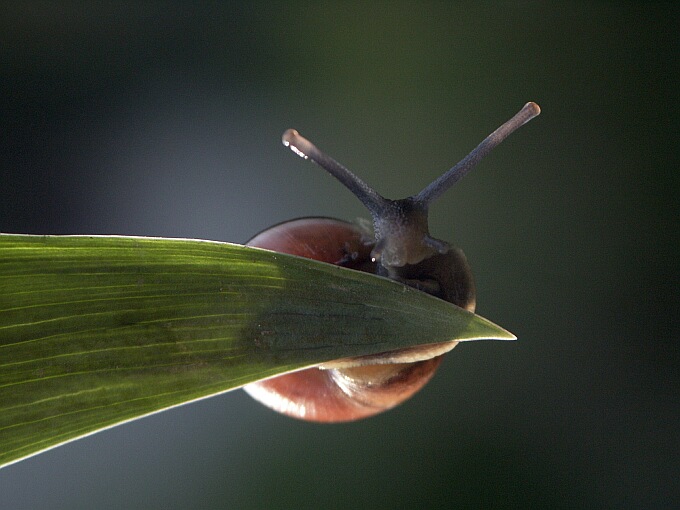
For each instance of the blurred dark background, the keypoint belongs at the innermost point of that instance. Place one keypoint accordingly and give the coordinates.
(164, 119)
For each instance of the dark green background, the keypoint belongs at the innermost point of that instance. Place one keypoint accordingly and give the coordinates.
(165, 120)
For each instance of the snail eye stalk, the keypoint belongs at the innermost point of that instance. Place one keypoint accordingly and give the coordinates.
(297, 143)
(456, 173)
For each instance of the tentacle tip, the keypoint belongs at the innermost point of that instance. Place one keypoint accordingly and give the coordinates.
(533, 108)
(289, 136)
(292, 139)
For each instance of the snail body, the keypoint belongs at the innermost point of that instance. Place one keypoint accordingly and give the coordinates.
(402, 249)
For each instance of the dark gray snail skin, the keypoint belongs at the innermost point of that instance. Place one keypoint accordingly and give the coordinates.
(401, 249)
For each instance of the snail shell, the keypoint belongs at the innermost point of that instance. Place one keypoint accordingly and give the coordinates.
(335, 394)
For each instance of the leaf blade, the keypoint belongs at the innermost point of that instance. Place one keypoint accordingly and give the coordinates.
(96, 331)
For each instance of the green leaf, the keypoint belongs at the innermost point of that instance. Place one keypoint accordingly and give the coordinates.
(95, 331)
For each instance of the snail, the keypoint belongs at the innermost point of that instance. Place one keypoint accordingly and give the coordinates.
(402, 249)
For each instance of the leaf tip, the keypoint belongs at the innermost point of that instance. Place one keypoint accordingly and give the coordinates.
(486, 330)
